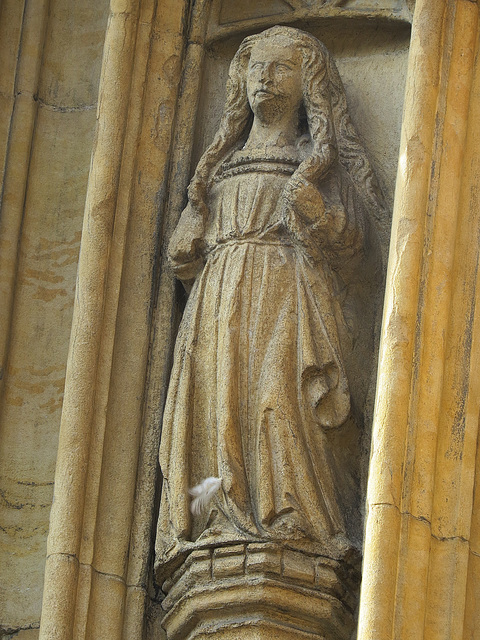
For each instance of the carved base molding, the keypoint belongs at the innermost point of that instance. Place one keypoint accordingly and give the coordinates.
(260, 591)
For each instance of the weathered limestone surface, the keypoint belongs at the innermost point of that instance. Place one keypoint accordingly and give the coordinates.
(250, 400)
(91, 554)
(421, 575)
(140, 149)
(51, 57)
(98, 565)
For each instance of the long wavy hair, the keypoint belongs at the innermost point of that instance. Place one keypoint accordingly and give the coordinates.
(332, 133)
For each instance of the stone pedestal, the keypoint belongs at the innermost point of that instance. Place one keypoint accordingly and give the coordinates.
(260, 591)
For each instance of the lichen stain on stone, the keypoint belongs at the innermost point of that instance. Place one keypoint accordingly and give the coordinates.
(43, 275)
(53, 390)
(44, 371)
(66, 257)
(52, 405)
(35, 389)
(14, 503)
(47, 295)
(15, 401)
(25, 533)
(58, 253)
(455, 449)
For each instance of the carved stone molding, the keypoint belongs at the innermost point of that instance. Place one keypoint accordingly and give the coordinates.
(257, 591)
(421, 568)
(229, 17)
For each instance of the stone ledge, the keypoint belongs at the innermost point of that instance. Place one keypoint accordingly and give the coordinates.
(265, 590)
(266, 559)
(254, 605)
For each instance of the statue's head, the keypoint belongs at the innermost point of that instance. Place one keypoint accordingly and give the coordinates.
(274, 79)
(303, 77)
(296, 64)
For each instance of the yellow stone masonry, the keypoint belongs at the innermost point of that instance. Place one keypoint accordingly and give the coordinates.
(135, 123)
(419, 577)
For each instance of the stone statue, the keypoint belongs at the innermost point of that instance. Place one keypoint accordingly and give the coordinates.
(275, 222)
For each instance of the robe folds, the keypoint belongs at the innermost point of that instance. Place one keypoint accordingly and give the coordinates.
(258, 380)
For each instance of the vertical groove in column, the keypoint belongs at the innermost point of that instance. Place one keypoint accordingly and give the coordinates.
(85, 351)
(436, 290)
(171, 38)
(127, 319)
(11, 23)
(165, 312)
(17, 156)
(471, 194)
(153, 159)
(391, 418)
(115, 268)
(421, 482)
(471, 623)
(458, 420)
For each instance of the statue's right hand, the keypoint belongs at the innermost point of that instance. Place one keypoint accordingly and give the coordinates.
(186, 242)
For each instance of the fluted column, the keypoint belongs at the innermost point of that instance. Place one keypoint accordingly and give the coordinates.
(50, 54)
(98, 548)
(421, 545)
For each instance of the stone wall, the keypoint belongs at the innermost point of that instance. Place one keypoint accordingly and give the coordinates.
(153, 116)
(50, 56)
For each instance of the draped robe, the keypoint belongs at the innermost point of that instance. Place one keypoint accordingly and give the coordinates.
(258, 376)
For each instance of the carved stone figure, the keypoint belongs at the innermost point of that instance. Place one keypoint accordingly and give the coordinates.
(275, 223)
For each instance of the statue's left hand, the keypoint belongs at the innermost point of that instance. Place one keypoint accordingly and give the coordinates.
(305, 200)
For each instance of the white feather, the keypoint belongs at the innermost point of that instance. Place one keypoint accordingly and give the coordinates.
(202, 494)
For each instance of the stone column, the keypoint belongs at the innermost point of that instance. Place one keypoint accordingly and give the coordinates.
(421, 564)
(97, 570)
(50, 55)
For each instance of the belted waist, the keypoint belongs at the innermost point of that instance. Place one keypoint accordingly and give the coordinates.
(280, 242)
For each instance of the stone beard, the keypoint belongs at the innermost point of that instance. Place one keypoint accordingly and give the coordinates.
(259, 390)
